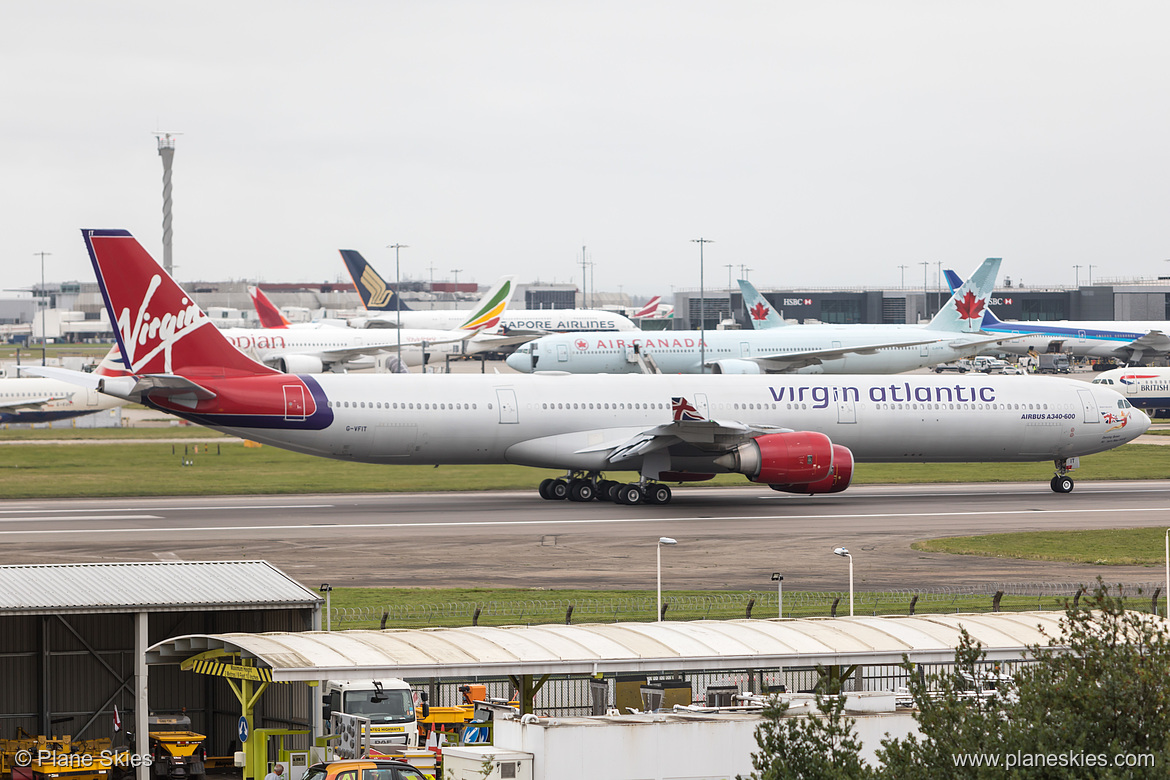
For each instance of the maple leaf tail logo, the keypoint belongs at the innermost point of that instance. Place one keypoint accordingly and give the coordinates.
(759, 311)
(969, 307)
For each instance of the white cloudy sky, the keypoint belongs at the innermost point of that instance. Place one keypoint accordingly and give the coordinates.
(815, 142)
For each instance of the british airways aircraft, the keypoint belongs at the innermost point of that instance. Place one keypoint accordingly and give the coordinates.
(807, 349)
(1146, 388)
(380, 300)
(795, 434)
(1129, 342)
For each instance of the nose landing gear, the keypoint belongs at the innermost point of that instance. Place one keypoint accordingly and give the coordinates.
(1062, 482)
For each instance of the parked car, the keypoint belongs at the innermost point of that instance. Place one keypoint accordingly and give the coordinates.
(962, 366)
(1012, 368)
(364, 769)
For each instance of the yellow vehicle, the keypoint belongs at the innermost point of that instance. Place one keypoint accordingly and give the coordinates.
(176, 752)
(59, 758)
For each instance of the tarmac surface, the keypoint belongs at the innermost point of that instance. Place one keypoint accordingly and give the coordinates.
(729, 538)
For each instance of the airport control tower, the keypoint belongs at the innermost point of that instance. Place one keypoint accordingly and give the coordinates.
(166, 150)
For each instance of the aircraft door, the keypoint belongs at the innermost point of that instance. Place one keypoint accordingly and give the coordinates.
(1092, 415)
(846, 409)
(1132, 387)
(91, 398)
(745, 349)
(562, 353)
(508, 411)
(294, 402)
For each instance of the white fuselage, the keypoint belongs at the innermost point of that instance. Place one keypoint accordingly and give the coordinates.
(551, 320)
(328, 344)
(679, 352)
(1146, 388)
(38, 400)
(560, 421)
(1081, 339)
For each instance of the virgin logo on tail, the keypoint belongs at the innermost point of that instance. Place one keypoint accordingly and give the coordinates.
(148, 334)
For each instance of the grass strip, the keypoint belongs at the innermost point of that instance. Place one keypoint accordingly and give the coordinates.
(1111, 547)
(230, 468)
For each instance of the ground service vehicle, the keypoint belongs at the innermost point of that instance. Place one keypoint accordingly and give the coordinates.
(57, 758)
(388, 703)
(1054, 363)
(962, 366)
(364, 769)
(988, 365)
(176, 752)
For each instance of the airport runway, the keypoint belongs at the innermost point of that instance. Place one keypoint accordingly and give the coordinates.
(728, 538)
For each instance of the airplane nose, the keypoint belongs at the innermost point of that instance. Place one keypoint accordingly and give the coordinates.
(520, 361)
(1140, 420)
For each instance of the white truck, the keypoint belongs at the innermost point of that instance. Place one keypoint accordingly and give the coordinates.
(388, 703)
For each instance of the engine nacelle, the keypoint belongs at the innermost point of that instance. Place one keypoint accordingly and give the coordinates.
(839, 476)
(796, 458)
(733, 366)
(299, 364)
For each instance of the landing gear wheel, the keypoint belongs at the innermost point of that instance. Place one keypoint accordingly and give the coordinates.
(558, 490)
(543, 489)
(657, 493)
(1062, 484)
(629, 494)
(581, 490)
(604, 488)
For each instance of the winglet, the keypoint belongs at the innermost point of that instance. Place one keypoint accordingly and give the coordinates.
(375, 293)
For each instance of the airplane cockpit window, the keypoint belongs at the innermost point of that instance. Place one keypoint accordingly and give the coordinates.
(1124, 404)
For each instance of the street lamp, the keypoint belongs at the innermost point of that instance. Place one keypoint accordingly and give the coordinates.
(326, 588)
(845, 554)
(658, 604)
(778, 578)
(398, 299)
(43, 303)
(903, 267)
(702, 305)
(1078, 269)
(456, 272)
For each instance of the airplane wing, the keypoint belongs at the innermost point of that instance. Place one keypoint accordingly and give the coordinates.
(129, 387)
(781, 362)
(1154, 341)
(350, 353)
(708, 435)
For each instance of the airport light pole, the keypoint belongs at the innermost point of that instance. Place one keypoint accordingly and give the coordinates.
(658, 604)
(925, 302)
(903, 267)
(326, 588)
(44, 342)
(456, 272)
(1078, 269)
(778, 578)
(1091, 267)
(398, 299)
(702, 306)
(729, 266)
(845, 554)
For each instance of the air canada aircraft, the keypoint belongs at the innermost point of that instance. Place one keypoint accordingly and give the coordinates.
(794, 433)
(761, 313)
(380, 300)
(807, 349)
(35, 399)
(1124, 340)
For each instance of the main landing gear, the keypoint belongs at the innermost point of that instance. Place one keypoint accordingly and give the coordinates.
(580, 486)
(1062, 482)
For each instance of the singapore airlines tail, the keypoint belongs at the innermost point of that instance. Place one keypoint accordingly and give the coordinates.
(270, 316)
(376, 294)
(963, 313)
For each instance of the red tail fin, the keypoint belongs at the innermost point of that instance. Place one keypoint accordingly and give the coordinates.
(650, 307)
(159, 328)
(270, 316)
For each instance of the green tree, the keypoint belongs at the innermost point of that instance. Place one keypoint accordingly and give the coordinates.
(1106, 696)
(822, 747)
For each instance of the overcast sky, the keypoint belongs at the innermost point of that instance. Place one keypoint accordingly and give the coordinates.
(816, 143)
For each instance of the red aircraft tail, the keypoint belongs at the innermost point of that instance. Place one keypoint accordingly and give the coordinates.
(159, 328)
(270, 316)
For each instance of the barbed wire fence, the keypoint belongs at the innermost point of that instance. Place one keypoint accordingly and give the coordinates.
(985, 597)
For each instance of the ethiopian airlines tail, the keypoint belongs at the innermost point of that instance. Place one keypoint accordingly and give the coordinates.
(159, 329)
(376, 294)
(761, 313)
(963, 313)
(270, 316)
(491, 307)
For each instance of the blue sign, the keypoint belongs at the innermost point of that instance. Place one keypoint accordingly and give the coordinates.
(243, 728)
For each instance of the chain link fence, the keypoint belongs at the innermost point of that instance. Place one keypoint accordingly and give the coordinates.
(986, 597)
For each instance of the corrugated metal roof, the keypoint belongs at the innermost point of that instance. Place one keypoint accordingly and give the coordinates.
(155, 586)
(612, 647)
